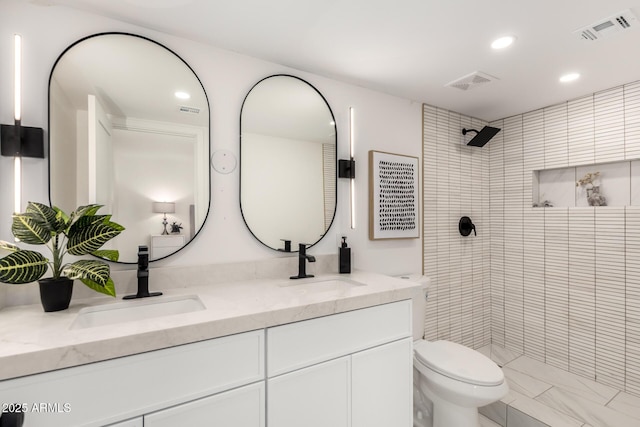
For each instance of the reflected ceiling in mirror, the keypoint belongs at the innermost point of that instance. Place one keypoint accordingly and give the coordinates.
(287, 162)
(129, 126)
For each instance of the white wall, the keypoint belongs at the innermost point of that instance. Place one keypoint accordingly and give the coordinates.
(383, 122)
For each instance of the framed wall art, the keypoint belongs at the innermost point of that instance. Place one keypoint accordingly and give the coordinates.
(393, 196)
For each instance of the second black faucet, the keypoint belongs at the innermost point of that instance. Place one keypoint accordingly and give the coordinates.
(302, 262)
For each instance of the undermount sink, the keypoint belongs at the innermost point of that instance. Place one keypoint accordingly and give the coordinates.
(316, 284)
(140, 309)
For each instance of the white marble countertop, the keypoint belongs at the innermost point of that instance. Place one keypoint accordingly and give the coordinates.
(32, 341)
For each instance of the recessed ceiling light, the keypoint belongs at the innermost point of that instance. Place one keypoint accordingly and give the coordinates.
(182, 95)
(569, 77)
(503, 42)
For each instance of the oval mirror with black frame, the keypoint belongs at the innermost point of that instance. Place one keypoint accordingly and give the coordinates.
(287, 162)
(129, 129)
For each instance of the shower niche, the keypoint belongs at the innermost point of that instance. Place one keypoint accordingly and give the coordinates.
(604, 184)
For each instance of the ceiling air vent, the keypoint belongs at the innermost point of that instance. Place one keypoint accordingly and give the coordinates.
(189, 110)
(471, 81)
(608, 26)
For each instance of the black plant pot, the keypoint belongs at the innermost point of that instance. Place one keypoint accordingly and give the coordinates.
(55, 294)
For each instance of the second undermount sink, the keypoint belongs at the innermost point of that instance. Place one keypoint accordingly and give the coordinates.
(140, 309)
(316, 284)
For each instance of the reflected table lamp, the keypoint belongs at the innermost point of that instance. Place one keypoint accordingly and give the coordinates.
(164, 208)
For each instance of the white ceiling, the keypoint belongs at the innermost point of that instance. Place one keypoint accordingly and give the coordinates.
(412, 48)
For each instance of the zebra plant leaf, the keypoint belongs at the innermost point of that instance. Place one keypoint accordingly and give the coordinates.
(87, 240)
(86, 221)
(22, 267)
(46, 216)
(109, 288)
(8, 246)
(88, 210)
(93, 270)
(110, 254)
(28, 228)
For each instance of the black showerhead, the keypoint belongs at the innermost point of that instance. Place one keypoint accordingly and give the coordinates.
(482, 137)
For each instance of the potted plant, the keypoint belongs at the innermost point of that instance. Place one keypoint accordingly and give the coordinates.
(175, 228)
(80, 233)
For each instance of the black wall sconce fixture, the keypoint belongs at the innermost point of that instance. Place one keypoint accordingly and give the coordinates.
(19, 141)
(347, 168)
(482, 137)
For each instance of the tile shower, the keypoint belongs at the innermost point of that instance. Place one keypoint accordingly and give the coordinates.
(560, 285)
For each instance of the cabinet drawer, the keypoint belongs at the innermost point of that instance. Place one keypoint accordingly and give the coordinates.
(296, 345)
(107, 392)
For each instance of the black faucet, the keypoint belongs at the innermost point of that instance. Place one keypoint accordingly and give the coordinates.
(143, 275)
(302, 262)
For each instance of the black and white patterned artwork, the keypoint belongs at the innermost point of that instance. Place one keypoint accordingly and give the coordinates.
(394, 196)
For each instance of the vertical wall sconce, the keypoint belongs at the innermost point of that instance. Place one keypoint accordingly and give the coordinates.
(18, 141)
(347, 169)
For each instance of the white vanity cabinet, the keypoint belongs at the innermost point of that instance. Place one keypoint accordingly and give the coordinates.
(243, 407)
(109, 392)
(352, 369)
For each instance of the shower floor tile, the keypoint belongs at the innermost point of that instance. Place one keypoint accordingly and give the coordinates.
(542, 395)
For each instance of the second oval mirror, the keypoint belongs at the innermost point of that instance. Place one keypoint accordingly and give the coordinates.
(287, 162)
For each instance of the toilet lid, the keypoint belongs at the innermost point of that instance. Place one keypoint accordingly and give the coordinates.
(458, 362)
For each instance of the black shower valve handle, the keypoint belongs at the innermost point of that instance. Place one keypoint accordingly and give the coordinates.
(465, 226)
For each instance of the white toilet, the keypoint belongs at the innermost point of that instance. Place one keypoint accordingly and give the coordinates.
(451, 381)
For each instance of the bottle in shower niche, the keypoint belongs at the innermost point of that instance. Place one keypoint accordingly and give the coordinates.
(345, 257)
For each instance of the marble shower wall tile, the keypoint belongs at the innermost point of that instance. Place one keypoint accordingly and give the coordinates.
(520, 419)
(497, 412)
(557, 186)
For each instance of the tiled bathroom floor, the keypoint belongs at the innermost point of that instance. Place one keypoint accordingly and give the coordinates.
(542, 395)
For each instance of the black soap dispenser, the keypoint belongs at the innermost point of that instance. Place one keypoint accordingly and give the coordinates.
(345, 257)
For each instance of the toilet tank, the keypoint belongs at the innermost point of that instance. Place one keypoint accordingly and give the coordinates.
(419, 303)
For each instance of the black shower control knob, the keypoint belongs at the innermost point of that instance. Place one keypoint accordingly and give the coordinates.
(465, 226)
